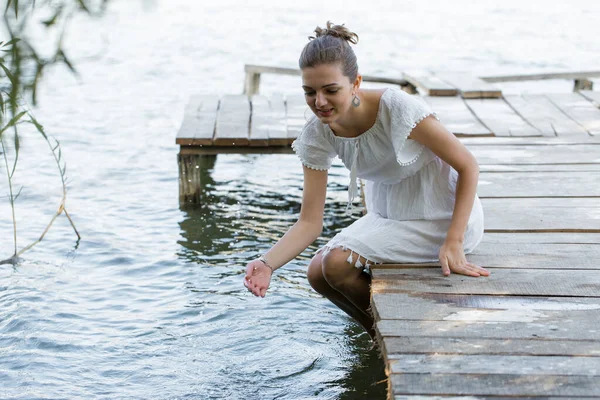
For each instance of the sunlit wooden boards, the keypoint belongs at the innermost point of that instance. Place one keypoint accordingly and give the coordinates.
(539, 184)
(428, 84)
(199, 119)
(580, 109)
(268, 124)
(232, 121)
(500, 118)
(297, 115)
(542, 114)
(451, 84)
(592, 96)
(263, 121)
(237, 121)
(469, 86)
(456, 116)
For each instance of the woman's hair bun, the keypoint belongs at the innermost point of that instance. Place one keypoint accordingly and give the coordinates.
(339, 31)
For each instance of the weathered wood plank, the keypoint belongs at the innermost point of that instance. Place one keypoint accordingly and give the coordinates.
(542, 215)
(297, 112)
(500, 118)
(259, 123)
(531, 154)
(199, 120)
(514, 282)
(569, 329)
(537, 255)
(448, 345)
(233, 121)
(539, 184)
(494, 364)
(428, 397)
(522, 254)
(278, 128)
(579, 109)
(592, 96)
(485, 308)
(469, 86)
(429, 84)
(532, 141)
(537, 237)
(203, 150)
(268, 125)
(501, 168)
(539, 111)
(495, 385)
(456, 116)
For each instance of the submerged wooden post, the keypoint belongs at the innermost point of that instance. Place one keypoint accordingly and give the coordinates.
(191, 169)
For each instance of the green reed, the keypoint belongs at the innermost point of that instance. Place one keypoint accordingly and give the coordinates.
(21, 68)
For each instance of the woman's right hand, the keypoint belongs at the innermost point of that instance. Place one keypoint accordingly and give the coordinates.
(258, 278)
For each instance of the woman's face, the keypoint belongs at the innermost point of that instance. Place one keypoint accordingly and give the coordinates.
(328, 91)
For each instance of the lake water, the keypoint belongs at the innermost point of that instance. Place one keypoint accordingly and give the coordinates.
(150, 303)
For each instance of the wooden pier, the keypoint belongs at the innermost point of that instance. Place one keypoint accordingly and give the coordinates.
(531, 329)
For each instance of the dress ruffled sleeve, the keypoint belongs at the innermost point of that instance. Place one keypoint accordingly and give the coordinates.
(313, 148)
(400, 115)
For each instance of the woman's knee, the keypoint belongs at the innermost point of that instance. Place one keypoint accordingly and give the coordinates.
(336, 269)
(315, 273)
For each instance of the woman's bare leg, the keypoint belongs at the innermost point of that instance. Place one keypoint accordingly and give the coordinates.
(362, 314)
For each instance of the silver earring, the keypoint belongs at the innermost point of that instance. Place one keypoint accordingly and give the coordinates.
(356, 101)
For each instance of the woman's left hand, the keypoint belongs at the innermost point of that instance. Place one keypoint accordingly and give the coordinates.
(452, 258)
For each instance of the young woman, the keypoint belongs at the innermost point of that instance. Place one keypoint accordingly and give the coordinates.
(420, 182)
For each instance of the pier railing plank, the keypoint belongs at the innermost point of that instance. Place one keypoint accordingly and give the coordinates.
(579, 109)
(500, 118)
(233, 121)
(456, 116)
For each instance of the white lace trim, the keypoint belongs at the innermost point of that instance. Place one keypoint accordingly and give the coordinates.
(407, 134)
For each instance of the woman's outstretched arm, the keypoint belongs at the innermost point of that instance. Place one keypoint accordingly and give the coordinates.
(305, 231)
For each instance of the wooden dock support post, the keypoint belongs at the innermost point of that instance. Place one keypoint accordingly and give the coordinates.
(252, 83)
(583, 84)
(191, 169)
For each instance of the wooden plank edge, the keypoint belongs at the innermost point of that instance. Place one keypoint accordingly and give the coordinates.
(211, 150)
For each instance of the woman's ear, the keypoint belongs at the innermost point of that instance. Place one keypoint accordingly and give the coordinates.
(357, 82)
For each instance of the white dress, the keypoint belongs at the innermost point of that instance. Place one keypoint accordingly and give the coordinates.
(410, 192)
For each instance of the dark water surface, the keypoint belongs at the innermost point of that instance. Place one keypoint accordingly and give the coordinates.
(150, 303)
